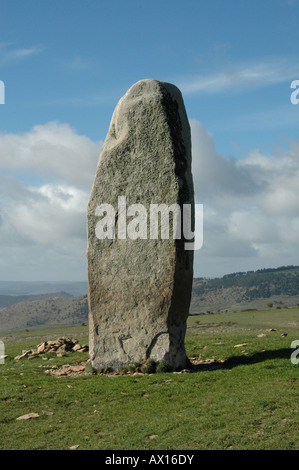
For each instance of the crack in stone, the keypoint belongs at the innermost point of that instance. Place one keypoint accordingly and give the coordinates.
(153, 343)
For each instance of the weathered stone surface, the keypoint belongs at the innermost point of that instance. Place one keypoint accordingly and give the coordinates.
(140, 290)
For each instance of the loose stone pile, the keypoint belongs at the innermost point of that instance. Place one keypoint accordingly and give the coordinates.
(59, 346)
(68, 370)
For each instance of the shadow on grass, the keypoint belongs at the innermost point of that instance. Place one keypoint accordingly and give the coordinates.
(235, 361)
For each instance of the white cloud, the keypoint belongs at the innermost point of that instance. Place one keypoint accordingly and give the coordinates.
(251, 207)
(214, 174)
(77, 64)
(240, 76)
(8, 53)
(53, 149)
(50, 214)
(46, 177)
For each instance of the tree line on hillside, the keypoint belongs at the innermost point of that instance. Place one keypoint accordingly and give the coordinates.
(261, 283)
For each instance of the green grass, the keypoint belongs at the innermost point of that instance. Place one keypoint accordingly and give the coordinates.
(249, 402)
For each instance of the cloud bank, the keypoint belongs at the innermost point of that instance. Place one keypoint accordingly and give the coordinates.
(251, 205)
(46, 176)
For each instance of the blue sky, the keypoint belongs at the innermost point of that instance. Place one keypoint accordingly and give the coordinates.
(72, 60)
(66, 63)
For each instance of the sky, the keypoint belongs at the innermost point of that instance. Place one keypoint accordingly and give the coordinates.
(65, 64)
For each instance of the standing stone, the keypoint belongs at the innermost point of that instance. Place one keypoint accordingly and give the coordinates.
(140, 289)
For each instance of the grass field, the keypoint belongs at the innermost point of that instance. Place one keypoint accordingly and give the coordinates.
(246, 398)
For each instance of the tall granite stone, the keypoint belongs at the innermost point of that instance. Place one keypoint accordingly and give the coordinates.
(140, 289)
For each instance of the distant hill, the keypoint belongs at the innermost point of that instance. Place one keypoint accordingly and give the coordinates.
(7, 300)
(42, 287)
(233, 292)
(45, 311)
(243, 290)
